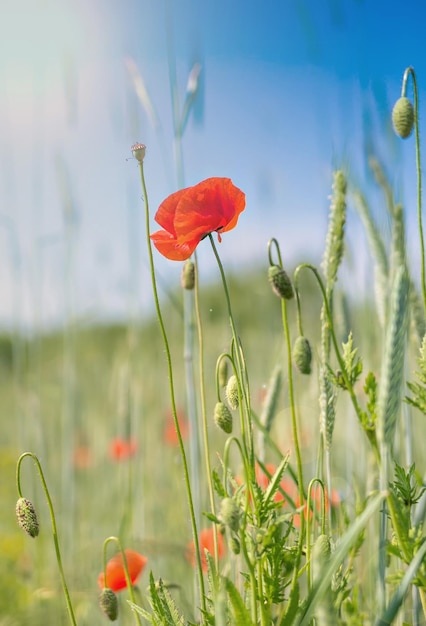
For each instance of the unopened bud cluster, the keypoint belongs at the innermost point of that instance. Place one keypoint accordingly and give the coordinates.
(27, 517)
(280, 282)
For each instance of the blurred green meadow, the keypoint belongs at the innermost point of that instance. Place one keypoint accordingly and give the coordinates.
(109, 383)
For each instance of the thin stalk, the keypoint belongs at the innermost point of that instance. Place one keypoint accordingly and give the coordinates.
(203, 402)
(339, 357)
(53, 523)
(410, 72)
(246, 431)
(172, 392)
(126, 572)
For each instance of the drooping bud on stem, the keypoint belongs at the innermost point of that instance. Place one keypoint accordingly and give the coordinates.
(108, 603)
(223, 417)
(230, 514)
(280, 282)
(232, 392)
(302, 355)
(27, 517)
(403, 117)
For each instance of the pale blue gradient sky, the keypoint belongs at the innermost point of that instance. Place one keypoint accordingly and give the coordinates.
(291, 90)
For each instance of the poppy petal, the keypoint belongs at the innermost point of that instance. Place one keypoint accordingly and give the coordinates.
(169, 246)
(115, 576)
(210, 206)
(190, 214)
(166, 211)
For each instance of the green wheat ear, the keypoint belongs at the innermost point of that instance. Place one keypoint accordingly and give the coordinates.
(389, 400)
(334, 246)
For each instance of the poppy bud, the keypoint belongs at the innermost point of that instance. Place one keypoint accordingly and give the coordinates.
(223, 372)
(108, 603)
(223, 417)
(320, 554)
(138, 150)
(187, 277)
(27, 517)
(280, 282)
(403, 117)
(302, 355)
(232, 392)
(230, 513)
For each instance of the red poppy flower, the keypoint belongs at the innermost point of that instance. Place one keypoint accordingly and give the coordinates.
(190, 214)
(121, 449)
(206, 541)
(115, 576)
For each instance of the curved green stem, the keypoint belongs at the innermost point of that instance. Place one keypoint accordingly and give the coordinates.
(410, 72)
(126, 572)
(172, 392)
(339, 357)
(246, 430)
(53, 523)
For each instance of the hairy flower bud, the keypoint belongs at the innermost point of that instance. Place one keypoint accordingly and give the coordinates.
(403, 117)
(187, 277)
(280, 282)
(108, 603)
(223, 417)
(232, 392)
(27, 517)
(302, 355)
(230, 513)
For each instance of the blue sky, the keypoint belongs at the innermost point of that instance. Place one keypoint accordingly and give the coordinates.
(291, 90)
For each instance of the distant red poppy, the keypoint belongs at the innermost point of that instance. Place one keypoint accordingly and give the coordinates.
(190, 214)
(115, 576)
(206, 541)
(170, 434)
(121, 449)
(82, 457)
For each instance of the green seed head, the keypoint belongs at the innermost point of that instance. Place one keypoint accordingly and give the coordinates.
(187, 278)
(403, 117)
(27, 517)
(280, 282)
(108, 603)
(223, 417)
(302, 355)
(139, 150)
(232, 392)
(230, 513)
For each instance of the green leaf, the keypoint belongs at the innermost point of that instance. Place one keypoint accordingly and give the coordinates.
(397, 599)
(342, 549)
(241, 615)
